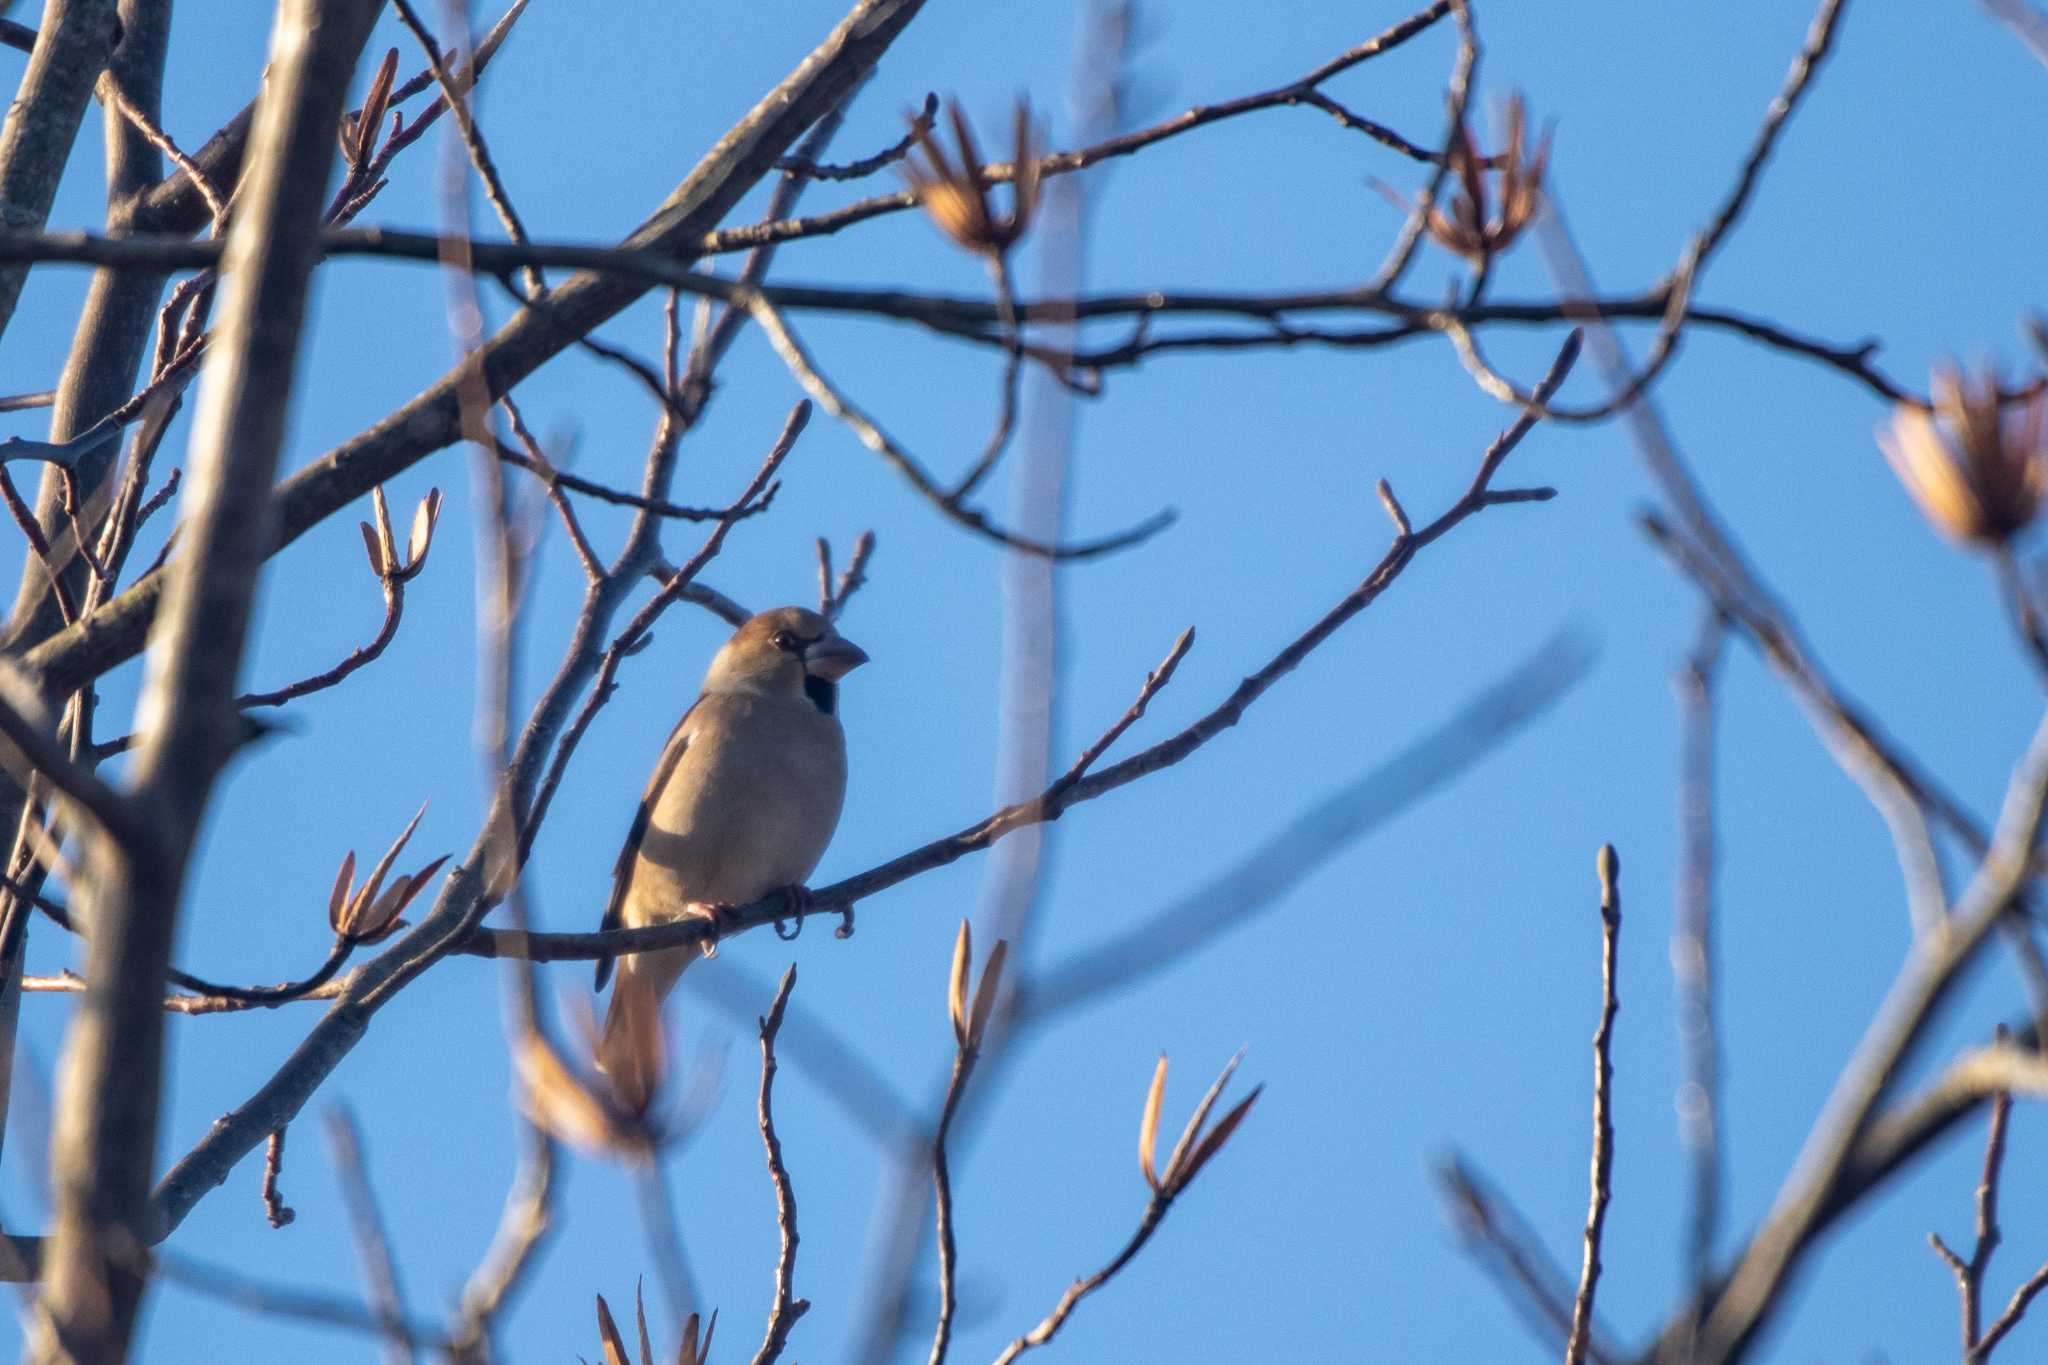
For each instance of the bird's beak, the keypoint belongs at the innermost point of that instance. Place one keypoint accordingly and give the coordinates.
(833, 657)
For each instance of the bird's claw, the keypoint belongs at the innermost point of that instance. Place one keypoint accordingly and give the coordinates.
(796, 903)
(722, 918)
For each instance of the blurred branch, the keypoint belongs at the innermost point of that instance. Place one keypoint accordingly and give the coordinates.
(30, 749)
(2026, 612)
(72, 44)
(252, 1295)
(1933, 966)
(1258, 882)
(105, 1135)
(2027, 24)
(373, 1242)
(1692, 946)
(815, 1046)
(1500, 1239)
(523, 1228)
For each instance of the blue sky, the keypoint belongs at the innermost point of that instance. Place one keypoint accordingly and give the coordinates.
(1430, 988)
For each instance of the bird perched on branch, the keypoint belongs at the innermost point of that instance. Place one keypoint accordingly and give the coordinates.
(744, 797)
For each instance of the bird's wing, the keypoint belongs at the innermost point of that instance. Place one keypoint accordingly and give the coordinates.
(622, 871)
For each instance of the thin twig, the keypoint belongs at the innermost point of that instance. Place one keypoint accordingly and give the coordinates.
(787, 1308)
(1603, 1113)
(216, 205)
(1123, 144)
(455, 91)
(1459, 94)
(1501, 1240)
(978, 320)
(70, 983)
(1049, 1326)
(832, 595)
(274, 1208)
(394, 609)
(836, 898)
(758, 492)
(538, 461)
(874, 438)
(576, 483)
(805, 168)
(1256, 885)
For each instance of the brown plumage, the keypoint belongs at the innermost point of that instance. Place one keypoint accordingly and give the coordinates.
(746, 792)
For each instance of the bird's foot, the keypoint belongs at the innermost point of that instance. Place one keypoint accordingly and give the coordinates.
(796, 903)
(722, 918)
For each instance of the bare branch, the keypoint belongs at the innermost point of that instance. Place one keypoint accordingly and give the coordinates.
(523, 1228)
(1753, 1288)
(1603, 1110)
(275, 1210)
(787, 1308)
(1501, 1240)
(71, 48)
(1064, 163)
(807, 169)
(874, 438)
(105, 1134)
(575, 306)
(373, 1242)
(841, 896)
(1256, 884)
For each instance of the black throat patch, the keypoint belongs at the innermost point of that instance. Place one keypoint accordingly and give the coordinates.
(823, 692)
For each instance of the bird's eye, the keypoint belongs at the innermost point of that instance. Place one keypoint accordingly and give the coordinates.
(785, 641)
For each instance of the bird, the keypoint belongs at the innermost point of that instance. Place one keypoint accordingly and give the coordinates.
(744, 798)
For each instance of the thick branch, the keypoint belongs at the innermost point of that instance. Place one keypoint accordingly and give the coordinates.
(726, 173)
(105, 1135)
(73, 42)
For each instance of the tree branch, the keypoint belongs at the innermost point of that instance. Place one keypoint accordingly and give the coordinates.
(106, 1129)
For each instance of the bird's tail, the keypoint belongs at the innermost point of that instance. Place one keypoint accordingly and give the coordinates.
(631, 1042)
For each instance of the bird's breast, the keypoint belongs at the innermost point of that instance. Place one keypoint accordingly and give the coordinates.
(750, 807)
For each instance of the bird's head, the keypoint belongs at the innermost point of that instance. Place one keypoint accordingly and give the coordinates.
(787, 651)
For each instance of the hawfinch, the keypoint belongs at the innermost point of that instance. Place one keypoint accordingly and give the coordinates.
(746, 793)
